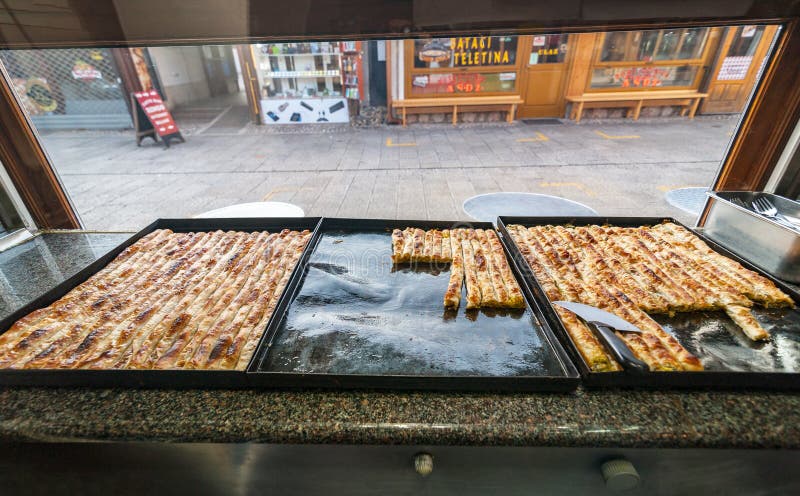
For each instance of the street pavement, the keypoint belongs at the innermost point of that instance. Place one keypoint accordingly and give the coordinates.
(426, 171)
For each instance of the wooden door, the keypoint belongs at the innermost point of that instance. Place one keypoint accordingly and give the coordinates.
(545, 75)
(741, 54)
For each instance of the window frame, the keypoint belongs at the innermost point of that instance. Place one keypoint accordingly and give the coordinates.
(701, 63)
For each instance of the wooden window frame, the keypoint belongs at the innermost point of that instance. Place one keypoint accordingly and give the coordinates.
(28, 167)
(411, 71)
(700, 63)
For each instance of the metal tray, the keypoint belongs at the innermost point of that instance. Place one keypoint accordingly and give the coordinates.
(731, 360)
(145, 378)
(768, 244)
(354, 320)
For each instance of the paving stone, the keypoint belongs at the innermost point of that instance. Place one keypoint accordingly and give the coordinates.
(116, 185)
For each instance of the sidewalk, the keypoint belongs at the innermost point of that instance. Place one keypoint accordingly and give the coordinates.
(425, 171)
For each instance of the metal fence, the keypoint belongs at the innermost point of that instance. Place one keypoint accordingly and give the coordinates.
(75, 88)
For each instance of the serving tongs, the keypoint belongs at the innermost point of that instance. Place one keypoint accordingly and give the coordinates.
(604, 324)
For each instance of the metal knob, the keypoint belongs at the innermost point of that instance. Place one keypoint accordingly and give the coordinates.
(620, 475)
(423, 464)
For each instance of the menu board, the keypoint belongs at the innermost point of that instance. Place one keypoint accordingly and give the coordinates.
(156, 112)
(152, 118)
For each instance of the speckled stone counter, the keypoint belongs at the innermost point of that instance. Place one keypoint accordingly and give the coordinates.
(584, 418)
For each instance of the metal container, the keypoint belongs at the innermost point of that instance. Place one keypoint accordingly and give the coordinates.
(757, 238)
(731, 360)
(172, 378)
(353, 319)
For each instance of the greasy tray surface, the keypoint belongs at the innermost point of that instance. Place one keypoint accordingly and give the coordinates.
(356, 313)
(721, 346)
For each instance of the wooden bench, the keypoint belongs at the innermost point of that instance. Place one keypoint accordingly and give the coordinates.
(634, 100)
(444, 104)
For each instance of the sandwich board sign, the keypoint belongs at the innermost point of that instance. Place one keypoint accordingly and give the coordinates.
(152, 118)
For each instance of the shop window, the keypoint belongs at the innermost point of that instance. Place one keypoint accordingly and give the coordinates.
(548, 49)
(745, 41)
(463, 83)
(648, 46)
(469, 51)
(643, 77)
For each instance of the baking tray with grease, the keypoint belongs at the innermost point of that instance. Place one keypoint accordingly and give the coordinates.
(169, 378)
(730, 359)
(353, 319)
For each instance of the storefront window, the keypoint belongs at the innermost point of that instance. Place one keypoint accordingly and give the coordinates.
(548, 49)
(475, 51)
(643, 77)
(745, 41)
(647, 46)
(466, 83)
(303, 83)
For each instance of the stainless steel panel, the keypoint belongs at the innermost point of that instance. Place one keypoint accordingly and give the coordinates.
(764, 242)
(242, 469)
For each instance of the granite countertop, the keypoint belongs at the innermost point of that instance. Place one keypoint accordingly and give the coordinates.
(583, 418)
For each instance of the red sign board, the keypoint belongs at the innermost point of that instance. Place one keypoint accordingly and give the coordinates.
(156, 112)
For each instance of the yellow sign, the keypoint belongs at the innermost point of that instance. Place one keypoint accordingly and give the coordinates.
(478, 50)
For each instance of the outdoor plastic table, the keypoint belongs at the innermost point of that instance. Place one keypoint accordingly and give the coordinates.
(489, 206)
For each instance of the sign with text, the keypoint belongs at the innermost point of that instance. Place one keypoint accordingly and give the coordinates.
(156, 112)
(152, 119)
(482, 50)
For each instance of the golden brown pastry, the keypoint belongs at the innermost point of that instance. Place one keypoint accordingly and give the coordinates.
(170, 300)
(631, 271)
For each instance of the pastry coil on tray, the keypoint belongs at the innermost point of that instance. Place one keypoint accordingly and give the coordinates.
(197, 300)
(635, 271)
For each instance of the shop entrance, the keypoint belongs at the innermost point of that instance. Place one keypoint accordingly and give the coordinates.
(545, 62)
(743, 50)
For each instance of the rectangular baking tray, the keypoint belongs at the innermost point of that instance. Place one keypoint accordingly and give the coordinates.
(766, 243)
(355, 320)
(145, 378)
(732, 361)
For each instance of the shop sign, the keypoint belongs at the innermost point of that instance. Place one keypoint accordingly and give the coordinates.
(38, 91)
(478, 50)
(156, 112)
(546, 51)
(420, 81)
(508, 76)
(539, 40)
(640, 77)
(85, 71)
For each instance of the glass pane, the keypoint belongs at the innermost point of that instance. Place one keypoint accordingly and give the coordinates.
(10, 220)
(643, 77)
(68, 86)
(694, 42)
(668, 46)
(463, 83)
(299, 70)
(475, 51)
(548, 49)
(646, 46)
(745, 41)
(333, 158)
(614, 47)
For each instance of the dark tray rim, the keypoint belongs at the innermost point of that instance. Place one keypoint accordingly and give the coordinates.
(562, 383)
(655, 380)
(171, 378)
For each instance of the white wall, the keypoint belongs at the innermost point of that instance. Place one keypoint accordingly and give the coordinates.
(180, 70)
